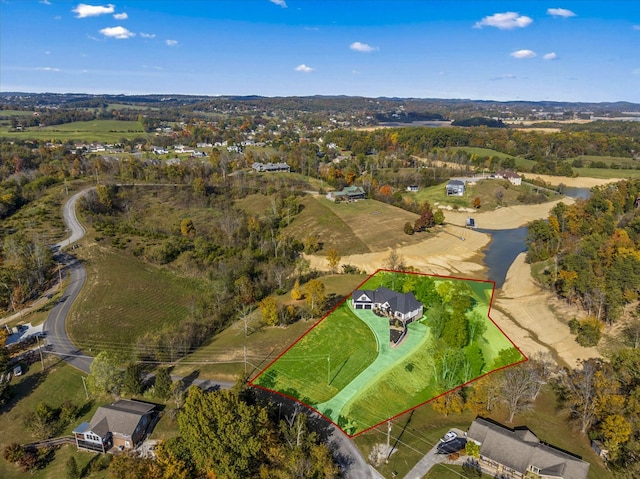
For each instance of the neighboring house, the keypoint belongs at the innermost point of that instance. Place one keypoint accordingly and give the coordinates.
(638, 202)
(271, 167)
(157, 150)
(518, 453)
(122, 424)
(412, 188)
(402, 306)
(348, 193)
(513, 177)
(455, 188)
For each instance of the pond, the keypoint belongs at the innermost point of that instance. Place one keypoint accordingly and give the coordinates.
(502, 251)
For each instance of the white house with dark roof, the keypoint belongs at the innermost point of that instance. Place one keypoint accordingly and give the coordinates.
(122, 424)
(402, 306)
(517, 453)
(513, 177)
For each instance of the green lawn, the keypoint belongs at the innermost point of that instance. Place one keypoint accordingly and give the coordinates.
(125, 298)
(521, 163)
(58, 384)
(607, 173)
(373, 380)
(95, 130)
(323, 361)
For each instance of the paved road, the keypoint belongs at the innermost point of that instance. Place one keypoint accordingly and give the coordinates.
(58, 342)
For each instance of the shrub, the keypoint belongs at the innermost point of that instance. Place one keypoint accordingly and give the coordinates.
(408, 228)
(13, 452)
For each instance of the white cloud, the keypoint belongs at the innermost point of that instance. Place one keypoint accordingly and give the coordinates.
(171, 43)
(45, 2)
(303, 68)
(147, 35)
(362, 47)
(119, 33)
(560, 12)
(507, 76)
(523, 54)
(83, 10)
(281, 3)
(636, 27)
(47, 69)
(120, 16)
(550, 56)
(504, 21)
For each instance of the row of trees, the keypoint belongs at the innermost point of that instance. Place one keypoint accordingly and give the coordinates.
(595, 248)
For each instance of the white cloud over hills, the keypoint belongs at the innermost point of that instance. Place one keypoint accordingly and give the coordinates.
(505, 21)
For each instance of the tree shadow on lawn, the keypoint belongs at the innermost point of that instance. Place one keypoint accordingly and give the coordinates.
(23, 389)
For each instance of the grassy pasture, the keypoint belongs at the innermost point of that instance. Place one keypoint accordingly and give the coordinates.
(521, 163)
(352, 228)
(323, 361)
(54, 386)
(486, 190)
(123, 299)
(607, 173)
(95, 130)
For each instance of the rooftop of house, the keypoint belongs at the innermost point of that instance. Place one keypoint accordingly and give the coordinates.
(121, 416)
(520, 448)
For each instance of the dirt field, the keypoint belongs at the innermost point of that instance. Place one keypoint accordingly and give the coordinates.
(521, 309)
(573, 182)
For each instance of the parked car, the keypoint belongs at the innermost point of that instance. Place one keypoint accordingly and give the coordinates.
(17, 371)
(454, 445)
(448, 436)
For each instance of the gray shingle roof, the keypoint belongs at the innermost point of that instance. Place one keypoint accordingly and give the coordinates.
(520, 448)
(120, 417)
(402, 302)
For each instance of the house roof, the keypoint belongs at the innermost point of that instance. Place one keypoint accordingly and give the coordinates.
(121, 417)
(520, 448)
(350, 191)
(455, 183)
(401, 302)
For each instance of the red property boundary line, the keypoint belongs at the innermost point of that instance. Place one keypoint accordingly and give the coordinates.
(493, 290)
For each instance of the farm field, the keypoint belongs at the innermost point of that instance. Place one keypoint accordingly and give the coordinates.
(124, 299)
(348, 369)
(362, 226)
(95, 130)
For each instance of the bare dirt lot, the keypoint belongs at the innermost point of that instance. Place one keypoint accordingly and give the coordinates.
(526, 313)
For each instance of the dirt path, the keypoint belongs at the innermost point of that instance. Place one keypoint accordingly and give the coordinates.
(523, 311)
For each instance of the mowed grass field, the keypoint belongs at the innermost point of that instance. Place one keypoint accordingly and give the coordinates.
(108, 131)
(223, 356)
(323, 361)
(362, 226)
(124, 299)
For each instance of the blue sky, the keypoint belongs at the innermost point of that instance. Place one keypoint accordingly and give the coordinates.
(503, 50)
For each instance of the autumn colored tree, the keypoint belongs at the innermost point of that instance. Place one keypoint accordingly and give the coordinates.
(333, 259)
(314, 292)
(450, 403)
(187, 228)
(269, 310)
(476, 202)
(296, 292)
(225, 435)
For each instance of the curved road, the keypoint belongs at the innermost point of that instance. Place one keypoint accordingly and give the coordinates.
(58, 342)
(347, 454)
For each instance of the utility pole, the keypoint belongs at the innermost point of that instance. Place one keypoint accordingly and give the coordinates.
(40, 351)
(388, 441)
(86, 393)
